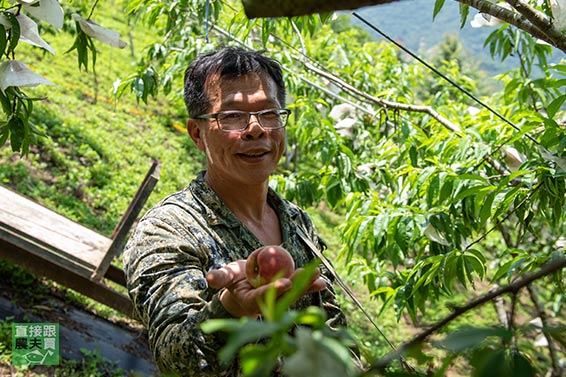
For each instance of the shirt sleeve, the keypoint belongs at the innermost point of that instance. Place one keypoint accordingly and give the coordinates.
(165, 266)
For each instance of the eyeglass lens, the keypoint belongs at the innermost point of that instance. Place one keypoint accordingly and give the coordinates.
(239, 120)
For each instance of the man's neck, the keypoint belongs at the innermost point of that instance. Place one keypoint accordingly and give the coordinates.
(248, 203)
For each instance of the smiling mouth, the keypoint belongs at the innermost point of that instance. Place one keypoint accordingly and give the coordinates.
(253, 154)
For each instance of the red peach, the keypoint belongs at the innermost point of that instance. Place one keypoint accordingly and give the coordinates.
(267, 264)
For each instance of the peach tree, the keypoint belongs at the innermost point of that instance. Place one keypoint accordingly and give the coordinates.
(446, 190)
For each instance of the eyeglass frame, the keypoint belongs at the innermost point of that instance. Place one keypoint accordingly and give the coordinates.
(249, 113)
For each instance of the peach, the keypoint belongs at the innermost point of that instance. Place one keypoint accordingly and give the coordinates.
(267, 264)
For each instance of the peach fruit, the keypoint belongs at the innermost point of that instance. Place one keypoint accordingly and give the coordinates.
(268, 263)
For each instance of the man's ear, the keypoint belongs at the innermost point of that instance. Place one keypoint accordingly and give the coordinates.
(196, 133)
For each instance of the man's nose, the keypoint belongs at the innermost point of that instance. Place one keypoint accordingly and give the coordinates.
(254, 129)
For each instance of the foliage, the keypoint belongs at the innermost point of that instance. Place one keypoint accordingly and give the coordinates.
(432, 212)
(263, 345)
(429, 213)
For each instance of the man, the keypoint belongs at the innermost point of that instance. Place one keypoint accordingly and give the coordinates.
(185, 263)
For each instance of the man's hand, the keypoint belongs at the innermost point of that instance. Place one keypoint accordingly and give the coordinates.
(240, 298)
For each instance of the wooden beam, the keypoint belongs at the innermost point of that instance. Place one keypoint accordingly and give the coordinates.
(69, 278)
(122, 229)
(290, 8)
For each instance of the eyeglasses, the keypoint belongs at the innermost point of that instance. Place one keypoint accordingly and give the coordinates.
(238, 121)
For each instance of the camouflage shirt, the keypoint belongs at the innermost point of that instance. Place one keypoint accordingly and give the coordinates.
(173, 247)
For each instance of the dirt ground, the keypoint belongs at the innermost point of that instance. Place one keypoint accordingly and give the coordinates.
(121, 341)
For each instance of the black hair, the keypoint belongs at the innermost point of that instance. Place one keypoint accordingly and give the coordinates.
(228, 62)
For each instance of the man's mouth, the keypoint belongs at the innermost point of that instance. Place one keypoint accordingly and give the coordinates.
(253, 154)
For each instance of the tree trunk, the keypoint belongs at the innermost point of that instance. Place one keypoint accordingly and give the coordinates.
(289, 8)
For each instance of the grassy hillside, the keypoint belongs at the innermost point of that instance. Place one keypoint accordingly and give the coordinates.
(97, 150)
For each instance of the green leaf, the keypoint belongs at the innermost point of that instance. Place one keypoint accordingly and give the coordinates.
(446, 189)
(301, 281)
(413, 154)
(214, 325)
(417, 353)
(3, 40)
(503, 362)
(471, 337)
(4, 133)
(83, 43)
(242, 331)
(449, 270)
(473, 191)
(6, 100)
(401, 236)
(438, 4)
(267, 25)
(17, 133)
(555, 105)
(258, 360)
(138, 87)
(312, 316)
(521, 366)
(509, 267)
(318, 356)
(558, 333)
(428, 269)
(477, 261)
(506, 202)
(495, 365)
(462, 271)
(14, 32)
(432, 192)
(464, 12)
(485, 210)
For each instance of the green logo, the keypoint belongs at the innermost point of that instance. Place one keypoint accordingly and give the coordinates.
(35, 344)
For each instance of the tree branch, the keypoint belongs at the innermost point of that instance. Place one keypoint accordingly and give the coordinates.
(499, 305)
(554, 358)
(546, 31)
(384, 103)
(539, 20)
(547, 269)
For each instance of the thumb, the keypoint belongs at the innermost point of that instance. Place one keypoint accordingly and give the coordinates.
(226, 275)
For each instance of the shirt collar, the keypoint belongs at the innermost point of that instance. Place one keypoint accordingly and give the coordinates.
(217, 213)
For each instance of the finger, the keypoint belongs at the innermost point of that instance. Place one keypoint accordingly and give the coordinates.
(315, 275)
(280, 285)
(226, 275)
(316, 282)
(317, 285)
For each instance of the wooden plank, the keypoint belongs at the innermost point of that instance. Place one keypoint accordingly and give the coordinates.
(68, 278)
(44, 226)
(49, 255)
(116, 274)
(122, 229)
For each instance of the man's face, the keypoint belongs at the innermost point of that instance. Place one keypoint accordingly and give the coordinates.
(246, 157)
